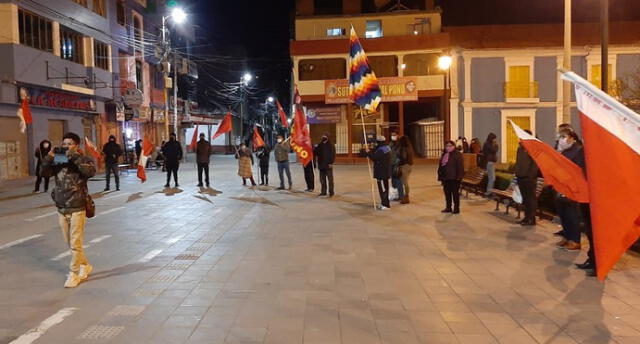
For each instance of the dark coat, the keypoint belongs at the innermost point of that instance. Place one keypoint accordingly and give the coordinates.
(325, 155)
(489, 151)
(263, 156)
(454, 169)
(203, 152)
(71, 178)
(172, 152)
(40, 154)
(575, 153)
(404, 156)
(282, 151)
(381, 158)
(525, 166)
(112, 152)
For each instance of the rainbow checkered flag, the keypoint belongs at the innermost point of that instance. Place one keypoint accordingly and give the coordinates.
(363, 84)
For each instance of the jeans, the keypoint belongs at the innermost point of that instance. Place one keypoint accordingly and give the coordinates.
(112, 168)
(451, 190)
(282, 167)
(528, 190)
(397, 183)
(172, 169)
(491, 175)
(324, 176)
(203, 166)
(309, 176)
(383, 189)
(72, 226)
(569, 217)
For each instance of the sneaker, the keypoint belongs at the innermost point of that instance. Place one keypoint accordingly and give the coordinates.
(177, 185)
(84, 272)
(117, 188)
(72, 280)
(207, 184)
(446, 210)
(382, 207)
(322, 194)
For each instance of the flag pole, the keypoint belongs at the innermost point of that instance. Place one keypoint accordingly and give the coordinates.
(364, 134)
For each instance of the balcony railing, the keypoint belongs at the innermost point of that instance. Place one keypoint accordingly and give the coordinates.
(521, 90)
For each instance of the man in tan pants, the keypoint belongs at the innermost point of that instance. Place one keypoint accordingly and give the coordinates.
(71, 170)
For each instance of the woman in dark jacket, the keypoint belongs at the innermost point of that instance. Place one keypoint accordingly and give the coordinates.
(405, 162)
(490, 157)
(450, 173)
(568, 210)
(41, 152)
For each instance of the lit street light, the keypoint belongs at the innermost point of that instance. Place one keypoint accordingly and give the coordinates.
(178, 15)
(444, 62)
(270, 99)
(244, 81)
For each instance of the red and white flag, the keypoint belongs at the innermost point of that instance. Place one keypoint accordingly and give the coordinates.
(147, 149)
(283, 115)
(611, 133)
(194, 139)
(563, 174)
(93, 150)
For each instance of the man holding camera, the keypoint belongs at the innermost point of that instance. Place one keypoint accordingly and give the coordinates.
(71, 170)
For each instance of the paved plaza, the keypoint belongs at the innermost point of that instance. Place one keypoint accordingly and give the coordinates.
(232, 264)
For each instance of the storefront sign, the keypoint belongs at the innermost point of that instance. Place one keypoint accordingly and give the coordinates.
(59, 100)
(158, 116)
(133, 97)
(145, 113)
(321, 115)
(394, 89)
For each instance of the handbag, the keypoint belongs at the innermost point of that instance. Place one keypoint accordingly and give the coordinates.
(89, 206)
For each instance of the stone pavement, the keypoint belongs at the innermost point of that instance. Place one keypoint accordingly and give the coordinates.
(236, 265)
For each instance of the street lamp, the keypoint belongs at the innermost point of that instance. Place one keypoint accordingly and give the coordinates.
(444, 63)
(270, 99)
(244, 81)
(178, 15)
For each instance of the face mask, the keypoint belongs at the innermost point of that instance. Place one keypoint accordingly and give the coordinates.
(563, 144)
(394, 138)
(324, 139)
(449, 149)
(279, 140)
(45, 145)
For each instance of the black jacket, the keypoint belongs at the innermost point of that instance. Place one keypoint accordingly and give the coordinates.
(172, 152)
(381, 158)
(71, 181)
(525, 166)
(489, 151)
(404, 156)
(575, 153)
(112, 152)
(40, 154)
(203, 152)
(263, 156)
(325, 155)
(454, 169)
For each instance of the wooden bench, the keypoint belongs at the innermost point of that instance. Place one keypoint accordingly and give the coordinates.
(506, 197)
(473, 181)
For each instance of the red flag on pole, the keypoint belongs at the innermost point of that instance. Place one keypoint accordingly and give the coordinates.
(257, 139)
(147, 149)
(611, 133)
(194, 139)
(563, 174)
(93, 150)
(297, 99)
(300, 139)
(24, 113)
(283, 115)
(224, 127)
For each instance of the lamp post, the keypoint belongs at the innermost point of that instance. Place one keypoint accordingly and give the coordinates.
(244, 81)
(444, 63)
(179, 16)
(604, 44)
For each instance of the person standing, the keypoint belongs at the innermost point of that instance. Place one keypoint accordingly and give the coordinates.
(309, 176)
(112, 152)
(381, 157)
(172, 152)
(41, 152)
(450, 173)
(395, 166)
(138, 149)
(263, 160)
(568, 210)
(70, 195)
(203, 155)
(282, 150)
(245, 164)
(526, 172)
(325, 156)
(490, 155)
(405, 163)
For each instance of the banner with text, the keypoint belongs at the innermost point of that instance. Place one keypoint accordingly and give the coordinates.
(394, 89)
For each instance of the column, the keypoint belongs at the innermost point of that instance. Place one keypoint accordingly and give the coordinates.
(401, 118)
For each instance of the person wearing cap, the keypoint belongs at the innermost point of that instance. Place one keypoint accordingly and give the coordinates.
(112, 152)
(381, 157)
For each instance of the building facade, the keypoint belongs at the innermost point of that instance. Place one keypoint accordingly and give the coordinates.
(76, 60)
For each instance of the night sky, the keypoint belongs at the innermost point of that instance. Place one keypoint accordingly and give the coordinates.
(251, 35)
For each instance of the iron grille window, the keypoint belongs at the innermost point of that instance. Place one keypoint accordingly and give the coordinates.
(35, 31)
(71, 45)
(101, 55)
